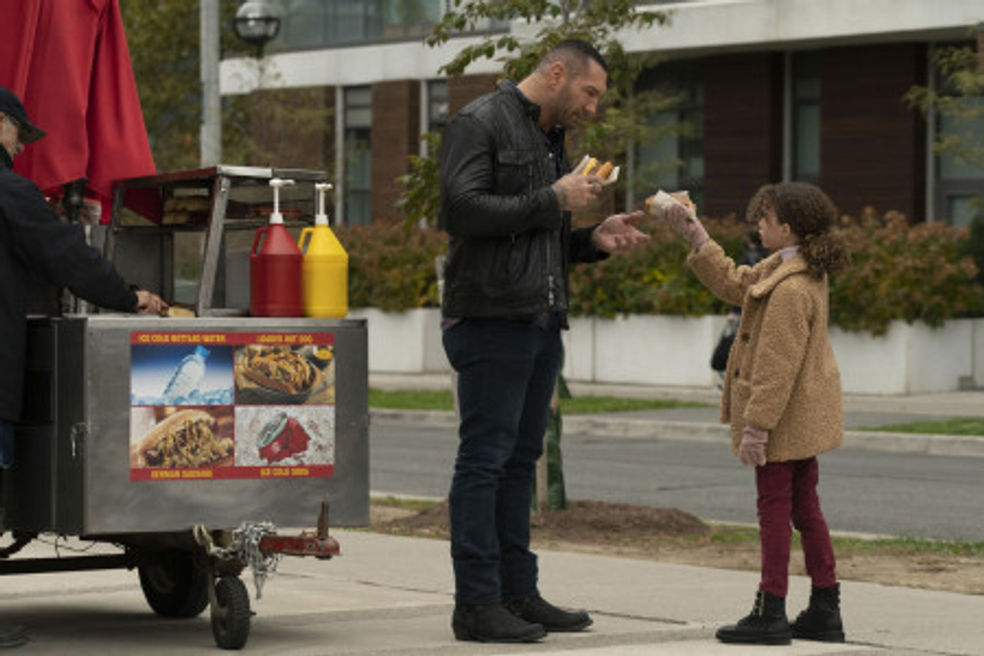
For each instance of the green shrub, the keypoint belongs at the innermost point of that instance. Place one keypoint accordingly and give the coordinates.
(903, 271)
(654, 279)
(391, 267)
(898, 271)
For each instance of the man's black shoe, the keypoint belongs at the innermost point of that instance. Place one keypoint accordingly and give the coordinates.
(539, 611)
(492, 623)
(12, 635)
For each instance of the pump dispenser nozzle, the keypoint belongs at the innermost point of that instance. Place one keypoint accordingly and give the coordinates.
(321, 218)
(277, 183)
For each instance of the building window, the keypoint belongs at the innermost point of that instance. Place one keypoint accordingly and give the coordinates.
(673, 157)
(309, 24)
(437, 105)
(959, 180)
(806, 117)
(358, 155)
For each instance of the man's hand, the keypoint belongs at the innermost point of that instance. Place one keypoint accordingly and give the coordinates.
(575, 191)
(617, 234)
(149, 303)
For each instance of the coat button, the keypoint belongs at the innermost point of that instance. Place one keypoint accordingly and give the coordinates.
(745, 337)
(737, 373)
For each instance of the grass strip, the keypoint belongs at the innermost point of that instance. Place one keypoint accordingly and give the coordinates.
(441, 400)
(960, 426)
(733, 534)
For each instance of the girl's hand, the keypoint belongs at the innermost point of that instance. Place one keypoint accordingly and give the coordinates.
(752, 447)
(681, 218)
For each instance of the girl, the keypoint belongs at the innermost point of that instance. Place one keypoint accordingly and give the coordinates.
(781, 393)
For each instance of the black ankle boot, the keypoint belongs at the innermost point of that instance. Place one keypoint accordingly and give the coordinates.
(765, 625)
(822, 619)
(492, 623)
(539, 611)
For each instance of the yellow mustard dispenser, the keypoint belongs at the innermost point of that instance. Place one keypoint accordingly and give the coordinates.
(325, 266)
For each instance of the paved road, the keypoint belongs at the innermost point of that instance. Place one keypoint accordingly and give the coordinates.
(869, 492)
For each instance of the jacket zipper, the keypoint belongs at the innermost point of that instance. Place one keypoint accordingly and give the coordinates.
(551, 282)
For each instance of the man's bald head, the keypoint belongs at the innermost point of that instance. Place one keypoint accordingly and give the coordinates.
(575, 55)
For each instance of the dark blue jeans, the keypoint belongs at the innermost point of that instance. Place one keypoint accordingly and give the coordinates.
(506, 375)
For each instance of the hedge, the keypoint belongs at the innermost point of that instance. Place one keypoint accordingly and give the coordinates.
(898, 271)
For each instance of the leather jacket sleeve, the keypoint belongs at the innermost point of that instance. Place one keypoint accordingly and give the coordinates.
(471, 206)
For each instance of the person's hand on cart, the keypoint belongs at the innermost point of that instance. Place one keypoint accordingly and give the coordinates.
(149, 302)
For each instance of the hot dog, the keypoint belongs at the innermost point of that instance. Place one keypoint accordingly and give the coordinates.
(658, 200)
(594, 167)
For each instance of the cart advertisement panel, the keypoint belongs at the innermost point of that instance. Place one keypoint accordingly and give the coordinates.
(225, 405)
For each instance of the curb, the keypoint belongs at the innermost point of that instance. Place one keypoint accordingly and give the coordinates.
(957, 446)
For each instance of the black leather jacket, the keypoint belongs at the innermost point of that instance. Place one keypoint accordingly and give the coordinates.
(510, 245)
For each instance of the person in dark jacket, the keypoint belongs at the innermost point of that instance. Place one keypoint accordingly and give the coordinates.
(34, 240)
(506, 197)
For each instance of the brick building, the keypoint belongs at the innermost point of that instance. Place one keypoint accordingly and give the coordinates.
(771, 89)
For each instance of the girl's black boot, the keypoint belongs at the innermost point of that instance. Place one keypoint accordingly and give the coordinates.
(765, 625)
(822, 619)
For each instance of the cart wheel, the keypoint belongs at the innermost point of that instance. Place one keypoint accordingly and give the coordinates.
(173, 586)
(230, 613)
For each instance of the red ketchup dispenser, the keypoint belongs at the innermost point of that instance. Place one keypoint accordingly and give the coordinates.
(325, 266)
(275, 265)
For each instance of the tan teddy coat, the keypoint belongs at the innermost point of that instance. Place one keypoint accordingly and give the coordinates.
(782, 375)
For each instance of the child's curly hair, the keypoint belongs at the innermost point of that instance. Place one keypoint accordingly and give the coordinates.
(810, 214)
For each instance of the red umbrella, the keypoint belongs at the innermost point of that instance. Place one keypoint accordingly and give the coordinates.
(69, 63)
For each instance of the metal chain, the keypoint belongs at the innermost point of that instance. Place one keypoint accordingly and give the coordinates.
(245, 546)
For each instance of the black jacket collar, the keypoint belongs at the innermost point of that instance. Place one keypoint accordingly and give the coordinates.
(6, 162)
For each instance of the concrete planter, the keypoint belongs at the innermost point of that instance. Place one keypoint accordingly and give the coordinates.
(912, 358)
(404, 342)
(676, 351)
(643, 349)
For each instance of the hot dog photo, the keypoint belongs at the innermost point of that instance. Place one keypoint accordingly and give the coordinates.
(171, 437)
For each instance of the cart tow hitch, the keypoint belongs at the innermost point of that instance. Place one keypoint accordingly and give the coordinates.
(258, 545)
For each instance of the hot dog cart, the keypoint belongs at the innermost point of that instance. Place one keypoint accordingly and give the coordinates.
(187, 441)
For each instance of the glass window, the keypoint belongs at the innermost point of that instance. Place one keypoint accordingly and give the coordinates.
(437, 105)
(959, 171)
(309, 24)
(358, 155)
(674, 156)
(806, 116)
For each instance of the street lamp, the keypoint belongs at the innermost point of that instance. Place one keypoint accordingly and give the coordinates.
(257, 22)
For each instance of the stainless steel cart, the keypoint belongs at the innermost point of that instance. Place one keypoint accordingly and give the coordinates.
(191, 526)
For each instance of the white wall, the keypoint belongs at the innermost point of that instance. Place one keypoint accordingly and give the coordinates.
(676, 351)
(695, 27)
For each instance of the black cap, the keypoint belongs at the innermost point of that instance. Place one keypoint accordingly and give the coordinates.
(11, 105)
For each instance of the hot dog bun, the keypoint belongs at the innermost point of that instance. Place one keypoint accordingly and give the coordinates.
(605, 170)
(657, 201)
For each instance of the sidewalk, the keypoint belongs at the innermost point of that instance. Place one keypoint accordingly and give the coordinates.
(392, 596)
(702, 424)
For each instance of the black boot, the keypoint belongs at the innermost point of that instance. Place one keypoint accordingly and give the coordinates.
(822, 619)
(492, 623)
(539, 611)
(765, 625)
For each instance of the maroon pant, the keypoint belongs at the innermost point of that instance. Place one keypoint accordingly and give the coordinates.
(787, 497)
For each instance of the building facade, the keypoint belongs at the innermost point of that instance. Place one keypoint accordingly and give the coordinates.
(768, 89)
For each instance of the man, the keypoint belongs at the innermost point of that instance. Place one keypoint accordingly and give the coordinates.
(33, 240)
(506, 198)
